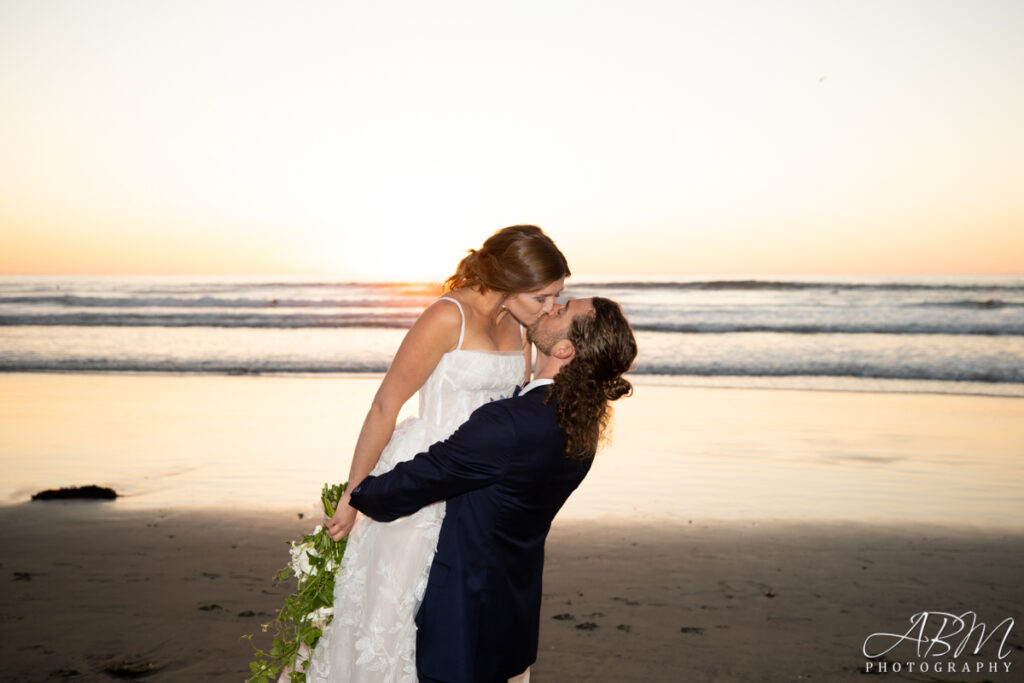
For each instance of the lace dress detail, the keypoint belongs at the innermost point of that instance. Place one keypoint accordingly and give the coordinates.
(383, 574)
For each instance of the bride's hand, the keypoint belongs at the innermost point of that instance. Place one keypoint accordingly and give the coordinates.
(344, 518)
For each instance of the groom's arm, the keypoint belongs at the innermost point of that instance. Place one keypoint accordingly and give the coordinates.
(473, 457)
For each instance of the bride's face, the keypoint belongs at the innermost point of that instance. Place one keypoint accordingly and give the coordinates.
(527, 307)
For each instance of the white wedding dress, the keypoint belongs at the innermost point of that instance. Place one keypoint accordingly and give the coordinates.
(383, 574)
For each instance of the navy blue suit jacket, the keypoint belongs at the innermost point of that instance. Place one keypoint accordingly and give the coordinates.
(505, 475)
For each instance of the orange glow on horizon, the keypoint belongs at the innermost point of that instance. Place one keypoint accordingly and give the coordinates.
(875, 139)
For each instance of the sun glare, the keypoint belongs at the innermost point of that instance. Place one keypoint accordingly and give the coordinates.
(402, 224)
(397, 255)
(374, 144)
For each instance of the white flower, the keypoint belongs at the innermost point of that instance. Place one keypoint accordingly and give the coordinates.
(320, 617)
(301, 555)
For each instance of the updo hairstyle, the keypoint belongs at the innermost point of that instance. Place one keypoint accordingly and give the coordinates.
(519, 258)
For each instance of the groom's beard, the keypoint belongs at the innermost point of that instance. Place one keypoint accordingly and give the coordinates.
(544, 341)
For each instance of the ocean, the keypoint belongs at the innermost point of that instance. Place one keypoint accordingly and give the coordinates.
(250, 392)
(918, 334)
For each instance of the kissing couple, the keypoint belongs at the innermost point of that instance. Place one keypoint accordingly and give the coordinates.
(441, 578)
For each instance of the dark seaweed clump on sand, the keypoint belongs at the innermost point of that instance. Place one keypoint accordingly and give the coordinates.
(77, 493)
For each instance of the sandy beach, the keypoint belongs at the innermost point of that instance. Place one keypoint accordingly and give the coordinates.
(723, 535)
(88, 587)
(675, 452)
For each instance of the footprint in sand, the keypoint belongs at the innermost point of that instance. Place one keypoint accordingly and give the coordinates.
(631, 603)
(213, 607)
(129, 669)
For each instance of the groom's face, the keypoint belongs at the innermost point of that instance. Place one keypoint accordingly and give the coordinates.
(553, 327)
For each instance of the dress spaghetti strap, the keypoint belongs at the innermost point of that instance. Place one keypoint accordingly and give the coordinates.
(462, 328)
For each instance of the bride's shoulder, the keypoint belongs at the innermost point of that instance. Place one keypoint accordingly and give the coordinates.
(441, 320)
(445, 309)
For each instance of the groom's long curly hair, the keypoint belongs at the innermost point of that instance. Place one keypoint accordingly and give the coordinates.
(605, 348)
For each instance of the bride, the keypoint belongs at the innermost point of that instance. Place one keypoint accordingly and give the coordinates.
(465, 349)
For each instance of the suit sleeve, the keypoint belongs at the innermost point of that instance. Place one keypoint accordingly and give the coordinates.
(476, 455)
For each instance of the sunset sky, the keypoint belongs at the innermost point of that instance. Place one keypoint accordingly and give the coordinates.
(386, 138)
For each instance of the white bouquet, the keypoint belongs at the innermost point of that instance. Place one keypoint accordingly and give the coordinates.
(300, 622)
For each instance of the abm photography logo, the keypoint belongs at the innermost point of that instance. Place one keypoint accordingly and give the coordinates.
(940, 642)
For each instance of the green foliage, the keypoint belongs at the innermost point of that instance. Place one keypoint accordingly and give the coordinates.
(299, 623)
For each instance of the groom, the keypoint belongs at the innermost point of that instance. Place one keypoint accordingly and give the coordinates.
(505, 473)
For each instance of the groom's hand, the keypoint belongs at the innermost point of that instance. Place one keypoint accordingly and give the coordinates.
(344, 518)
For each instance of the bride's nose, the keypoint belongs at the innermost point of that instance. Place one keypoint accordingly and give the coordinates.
(549, 305)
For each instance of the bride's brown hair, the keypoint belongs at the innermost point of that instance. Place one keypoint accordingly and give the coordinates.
(519, 258)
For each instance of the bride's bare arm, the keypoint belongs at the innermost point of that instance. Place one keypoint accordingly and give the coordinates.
(527, 361)
(433, 334)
